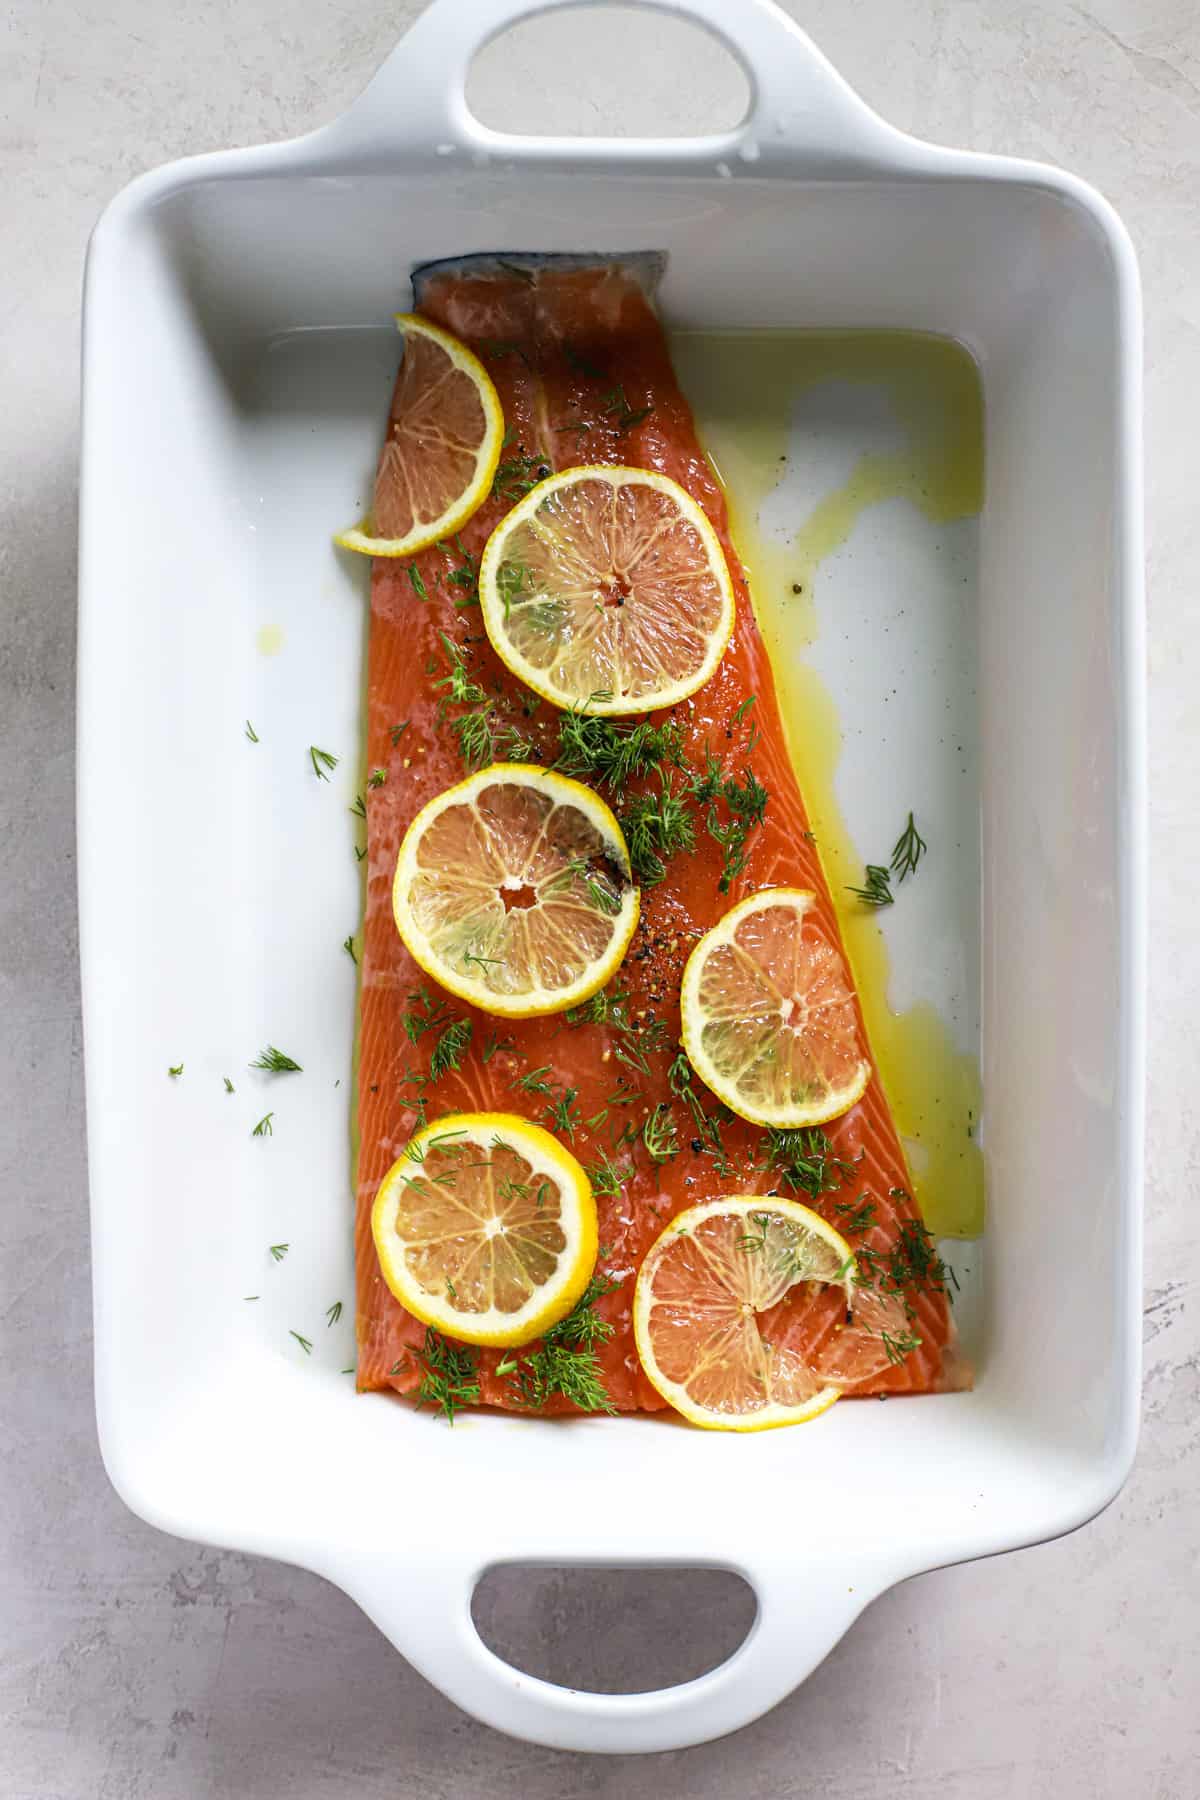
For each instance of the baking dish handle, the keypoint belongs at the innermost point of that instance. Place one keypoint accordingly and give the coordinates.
(801, 115)
(425, 1609)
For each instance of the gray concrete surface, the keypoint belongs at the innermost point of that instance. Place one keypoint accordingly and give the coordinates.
(132, 1665)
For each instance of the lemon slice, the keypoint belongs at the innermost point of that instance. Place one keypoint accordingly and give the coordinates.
(486, 1228)
(607, 588)
(443, 445)
(732, 1307)
(513, 890)
(769, 1021)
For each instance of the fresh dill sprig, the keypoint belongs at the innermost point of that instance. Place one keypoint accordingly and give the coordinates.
(660, 1134)
(482, 737)
(423, 1015)
(898, 1345)
(175, 1071)
(534, 1081)
(566, 1363)
(279, 1251)
(333, 1314)
(656, 827)
(450, 1048)
(251, 733)
(604, 1176)
(348, 947)
(418, 582)
(465, 575)
(744, 801)
(471, 958)
(264, 1128)
(518, 473)
(563, 1113)
(637, 1043)
(276, 1063)
(322, 761)
(876, 888)
(376, 778)
(495, 1043)
(304, 1343)
(804, 1159)
(228, 1084)
(449, 1375)
(599, 1009)
(359, 809)
(907, 851)
(855, 1216)
(396, 732)
(615, 752)
(909, 1267)
(600, 888)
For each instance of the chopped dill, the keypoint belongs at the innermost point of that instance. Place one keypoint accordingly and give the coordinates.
(279, 1251)
(566, 1362)
(423, 1015)
(359, 809)
(534, 1081)
(396, 732)
(175, 1071)
(251, 733)
(264, 1128)
(907, 851)
(304, 1343)
(276, 1063)
(805, 1159)
(563, 1113)
(656, 827)
(322, 761)
(376, 778)
(518, 473)
(449, 1375)
(450, 1048)
(418, 582)
(228, 1084)
(746, 804)
(876, 889)
(495, 1043)
(615, 751)
(605, 1177)
(855, 1216)
(660, 1134)
(898, 1345)
(348, 947)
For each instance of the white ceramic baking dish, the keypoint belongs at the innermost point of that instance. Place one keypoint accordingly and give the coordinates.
(222, 440)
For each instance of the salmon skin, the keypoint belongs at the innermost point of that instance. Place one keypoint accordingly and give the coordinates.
(584, 376)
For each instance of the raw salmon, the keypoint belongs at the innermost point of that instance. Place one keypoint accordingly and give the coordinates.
(583, 371)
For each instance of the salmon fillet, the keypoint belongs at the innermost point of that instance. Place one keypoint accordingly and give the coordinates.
(584, 376)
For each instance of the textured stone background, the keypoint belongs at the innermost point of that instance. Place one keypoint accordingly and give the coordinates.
(133, 1665)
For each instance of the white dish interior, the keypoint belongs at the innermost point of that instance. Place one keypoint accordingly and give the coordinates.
(236, 378)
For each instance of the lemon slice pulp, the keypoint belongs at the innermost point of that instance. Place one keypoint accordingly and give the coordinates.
(513, 890)
(607, 587)
(769, 1021)
(443, 444)
(485, 1228)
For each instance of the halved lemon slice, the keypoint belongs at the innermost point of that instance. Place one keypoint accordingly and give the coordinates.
(486, 1228)
(768, 1016)
(746, 1315)
(443, 443)
(607, 587)
(514, 891)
